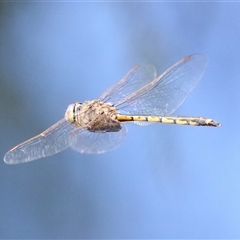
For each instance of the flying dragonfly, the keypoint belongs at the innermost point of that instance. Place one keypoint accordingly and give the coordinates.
(140, 97)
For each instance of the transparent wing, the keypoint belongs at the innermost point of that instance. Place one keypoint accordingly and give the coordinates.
(53, 140)
(135, 79)
(165, 93)
(85, 141)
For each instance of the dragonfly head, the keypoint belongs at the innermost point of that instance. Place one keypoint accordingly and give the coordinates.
(70, 114)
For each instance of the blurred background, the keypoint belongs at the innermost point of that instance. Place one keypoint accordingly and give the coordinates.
(165, 181)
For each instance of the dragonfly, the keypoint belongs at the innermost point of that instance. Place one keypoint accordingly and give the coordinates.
(98, 126)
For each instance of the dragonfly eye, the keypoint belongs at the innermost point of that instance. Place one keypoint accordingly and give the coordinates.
(77, 106)
(70, 113)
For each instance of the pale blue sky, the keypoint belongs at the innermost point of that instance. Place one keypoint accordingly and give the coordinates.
(164, 181)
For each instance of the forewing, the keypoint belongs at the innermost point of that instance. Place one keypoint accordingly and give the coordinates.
(53, 140)
(85, 141)
(167, 92)
(135, 79)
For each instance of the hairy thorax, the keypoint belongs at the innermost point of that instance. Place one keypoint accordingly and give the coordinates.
(95, 116)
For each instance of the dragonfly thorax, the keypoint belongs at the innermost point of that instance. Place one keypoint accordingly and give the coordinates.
(94, 115)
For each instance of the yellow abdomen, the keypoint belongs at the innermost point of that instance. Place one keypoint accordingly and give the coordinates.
(193, 121)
